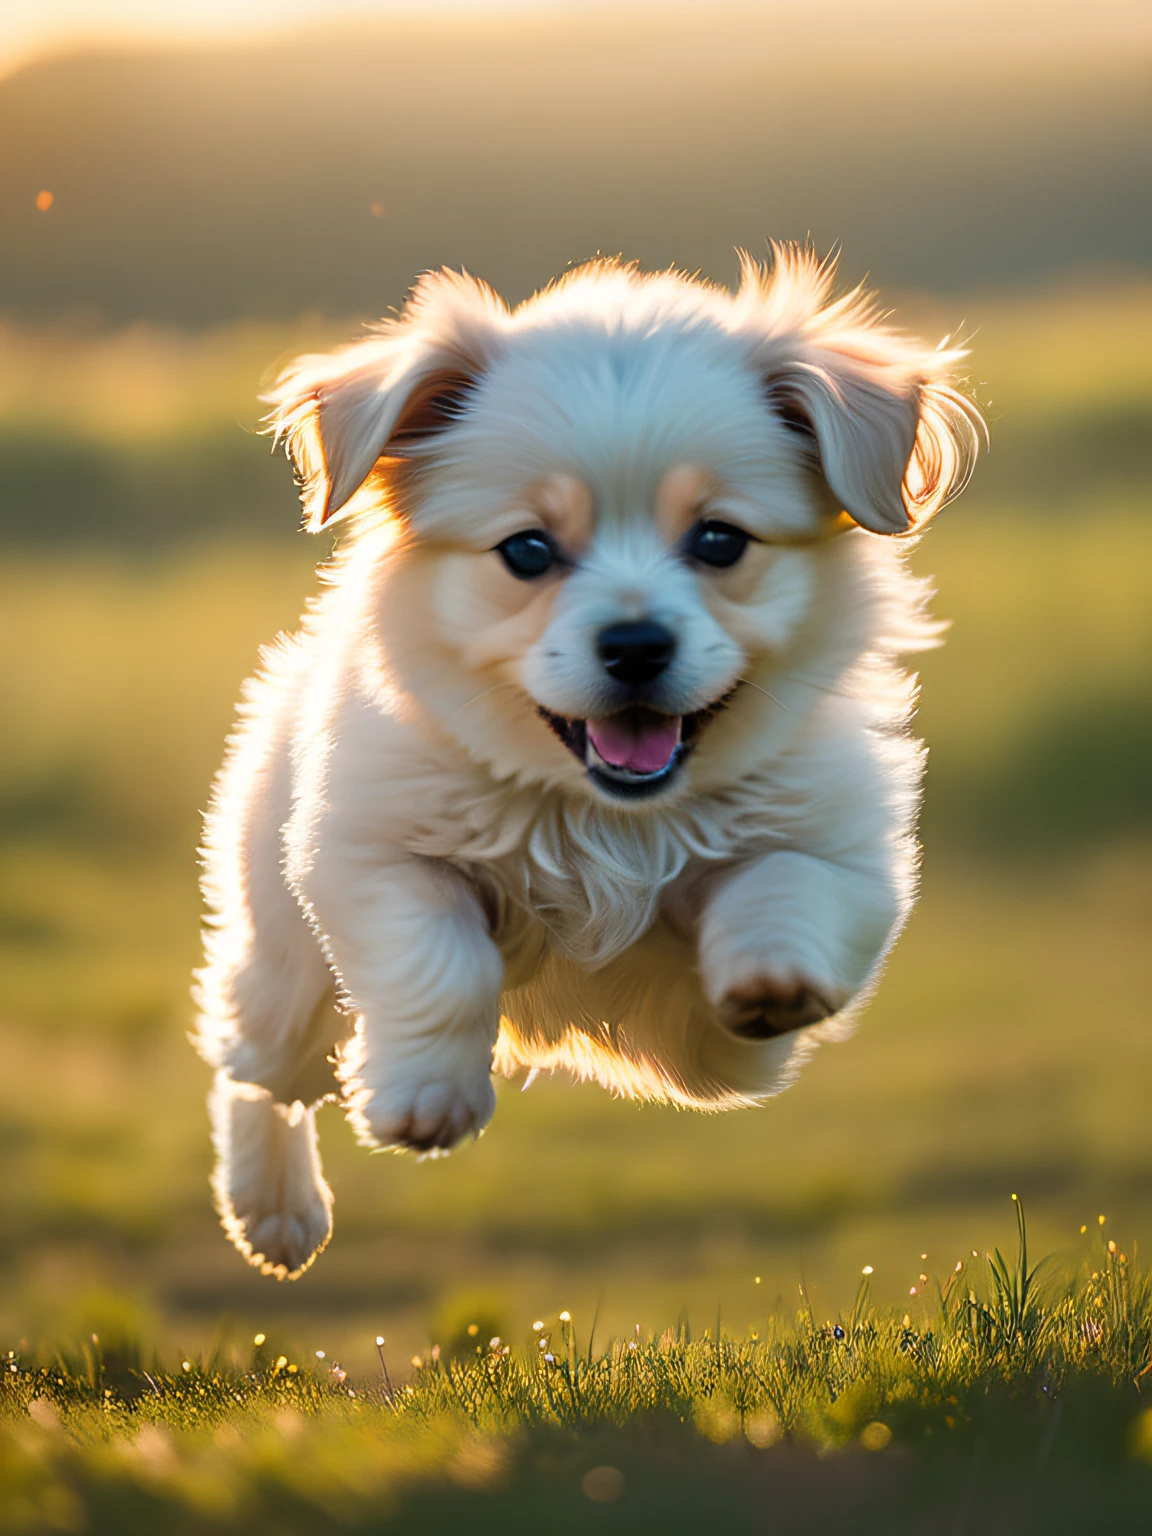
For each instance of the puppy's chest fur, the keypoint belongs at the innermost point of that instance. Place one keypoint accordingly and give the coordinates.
(587, 883)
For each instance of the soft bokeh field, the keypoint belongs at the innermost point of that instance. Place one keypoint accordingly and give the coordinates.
(149, 552)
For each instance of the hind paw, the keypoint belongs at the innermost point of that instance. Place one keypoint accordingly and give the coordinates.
(282, 1243)
(268, 1185)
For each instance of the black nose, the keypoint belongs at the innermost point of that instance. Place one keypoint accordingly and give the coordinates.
(636, 653)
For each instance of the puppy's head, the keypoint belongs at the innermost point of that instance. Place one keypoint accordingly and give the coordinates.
(613, 502)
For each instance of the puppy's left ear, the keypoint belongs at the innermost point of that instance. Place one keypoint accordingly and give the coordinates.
(892, 438)
(389, 396)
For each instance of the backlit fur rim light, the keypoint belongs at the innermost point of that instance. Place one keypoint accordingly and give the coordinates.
(792, 296)
(785, 303)
(379, 362)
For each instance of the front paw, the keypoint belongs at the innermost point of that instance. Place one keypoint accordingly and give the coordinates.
(763, 1007)
(423, 1116)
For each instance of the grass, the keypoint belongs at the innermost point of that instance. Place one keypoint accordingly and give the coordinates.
(1003, 1392)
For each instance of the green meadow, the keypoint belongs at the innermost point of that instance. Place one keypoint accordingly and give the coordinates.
(1006, 1398)
(148, 549)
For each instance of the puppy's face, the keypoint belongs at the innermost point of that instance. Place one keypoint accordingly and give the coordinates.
(614, 505)
(607, 575)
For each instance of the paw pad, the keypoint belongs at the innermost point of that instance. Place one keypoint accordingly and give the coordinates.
(768, 1009)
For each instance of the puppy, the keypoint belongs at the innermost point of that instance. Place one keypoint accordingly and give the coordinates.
(594, 752)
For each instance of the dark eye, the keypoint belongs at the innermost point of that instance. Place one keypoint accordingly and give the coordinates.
(528, 555)
(716, 544)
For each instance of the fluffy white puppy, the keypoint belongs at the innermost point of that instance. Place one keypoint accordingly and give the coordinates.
(594, 751)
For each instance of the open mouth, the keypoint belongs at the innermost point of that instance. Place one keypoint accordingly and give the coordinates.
(635, 752)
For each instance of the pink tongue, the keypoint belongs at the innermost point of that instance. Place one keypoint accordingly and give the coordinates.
(643, 746)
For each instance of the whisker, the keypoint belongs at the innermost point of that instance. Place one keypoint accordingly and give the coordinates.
(475, 699)
(768, 695)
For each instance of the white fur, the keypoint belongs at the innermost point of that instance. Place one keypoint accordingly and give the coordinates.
(411, 880)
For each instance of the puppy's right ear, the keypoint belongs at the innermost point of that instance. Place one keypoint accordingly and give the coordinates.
(389, 396)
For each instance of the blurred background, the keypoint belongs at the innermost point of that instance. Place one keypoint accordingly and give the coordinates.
(188, 195)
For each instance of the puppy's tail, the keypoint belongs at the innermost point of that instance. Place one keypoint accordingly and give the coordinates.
(268, 1185)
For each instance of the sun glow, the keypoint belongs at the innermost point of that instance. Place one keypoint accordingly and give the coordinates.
(53, 25)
